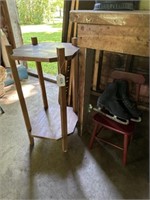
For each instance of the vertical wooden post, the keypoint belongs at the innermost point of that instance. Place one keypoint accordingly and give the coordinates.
(62, 98)
(68, 82)
(70, 88)
(95, 72)
(85, 79)
(41, 80)
(74, 72)
(70, 23)
(20, 93)
(74, 6)
(75, 23)
(82, 69)
(40, 75)
(34, 40)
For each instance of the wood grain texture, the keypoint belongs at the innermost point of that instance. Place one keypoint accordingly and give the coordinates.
(42, 84)
(48, 52)
(20, 94)
(5, 13)
(47, 124)
(62, 98)
(82, 67)
(34, 41)
(85, 80)
(4, 42)
(75, 23)
(95, 71)
(125, 40)
(15, 24)
(121, 18)
(110, 30)
(70, 25)
(43, 52)
(75, 76)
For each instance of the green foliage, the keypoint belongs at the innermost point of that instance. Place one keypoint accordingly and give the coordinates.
(37, 11)
(59, 3)
(42, 37)
(31, 12)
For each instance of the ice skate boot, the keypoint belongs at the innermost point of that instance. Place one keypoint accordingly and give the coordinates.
(108, 105)
(123, 97)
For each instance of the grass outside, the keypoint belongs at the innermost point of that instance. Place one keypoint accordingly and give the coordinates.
(48, 68)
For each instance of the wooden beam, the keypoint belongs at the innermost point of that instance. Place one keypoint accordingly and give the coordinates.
(85, 79)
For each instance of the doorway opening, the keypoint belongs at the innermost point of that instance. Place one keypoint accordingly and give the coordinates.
(42, 19)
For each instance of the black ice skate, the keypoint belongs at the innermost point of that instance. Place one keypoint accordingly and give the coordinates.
(123, 97)
(108, 105)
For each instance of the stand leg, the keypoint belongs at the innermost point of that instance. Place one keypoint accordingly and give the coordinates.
(94, 133)
(62, 98)
(34, 41)
(41, 79)
(20, 94)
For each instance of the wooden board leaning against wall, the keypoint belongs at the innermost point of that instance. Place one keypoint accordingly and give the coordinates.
(10, 28)
(133, 58)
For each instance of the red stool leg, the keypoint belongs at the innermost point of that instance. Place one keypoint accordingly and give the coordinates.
(125, 148)
(97, 127)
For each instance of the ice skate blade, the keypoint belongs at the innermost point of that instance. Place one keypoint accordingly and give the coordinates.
(115, 118)
(136, 120)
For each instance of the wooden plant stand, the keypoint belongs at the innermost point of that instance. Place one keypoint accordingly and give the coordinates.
(62, 53)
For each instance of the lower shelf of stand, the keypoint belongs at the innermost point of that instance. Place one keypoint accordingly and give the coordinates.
(47, 124)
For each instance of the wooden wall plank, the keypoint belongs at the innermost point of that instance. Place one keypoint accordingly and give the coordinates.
(116, 38)
(116, 44)
(92, 30)
(121, 18)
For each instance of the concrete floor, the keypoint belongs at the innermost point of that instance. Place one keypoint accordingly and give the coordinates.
(45, 172)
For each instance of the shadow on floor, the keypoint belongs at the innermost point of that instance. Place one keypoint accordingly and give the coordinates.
(132, 181)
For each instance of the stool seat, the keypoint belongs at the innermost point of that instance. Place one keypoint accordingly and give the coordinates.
(113, 125)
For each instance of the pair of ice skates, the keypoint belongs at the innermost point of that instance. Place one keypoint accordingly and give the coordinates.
(115, 103)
